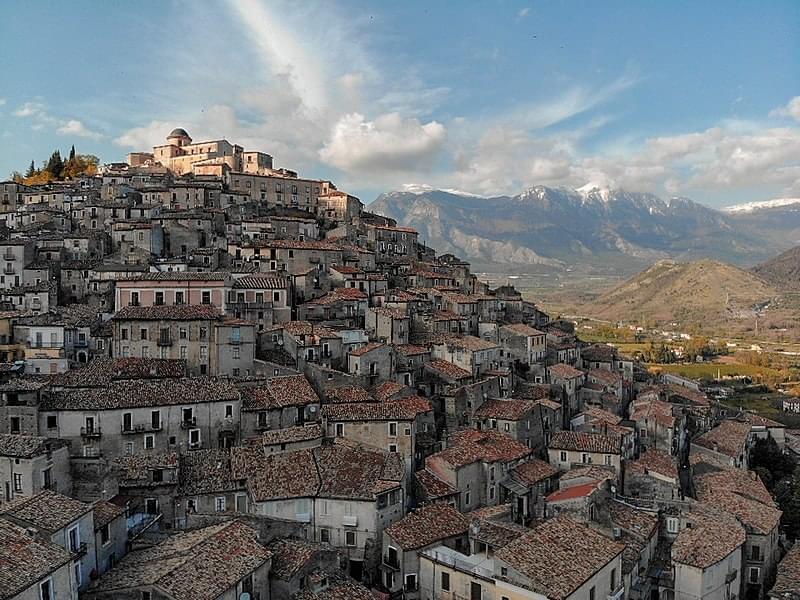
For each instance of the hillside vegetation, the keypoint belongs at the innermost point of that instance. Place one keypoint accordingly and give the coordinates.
(783, 271)
(704, 291)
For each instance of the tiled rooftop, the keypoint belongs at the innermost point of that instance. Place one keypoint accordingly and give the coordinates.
(25, 559)
(447, 369)
(586, 442)
(508, 410)
(564, 371)
(47, 510)
(654, 461)
(729, 438)
(710, 539)
(290, 556)
(428, 525)
(542, 554)
(199, 564)
(470, 446)
(14, 445)
(279, 392)
(787, 581)
(432, 487)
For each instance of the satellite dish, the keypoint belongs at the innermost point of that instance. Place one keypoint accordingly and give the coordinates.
(244, 596)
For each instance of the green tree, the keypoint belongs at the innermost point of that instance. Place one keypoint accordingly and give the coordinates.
(31, 170)
(55, 165)
(72, 153)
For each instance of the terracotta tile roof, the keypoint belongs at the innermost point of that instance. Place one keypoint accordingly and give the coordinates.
(655, 461)
(787, 581)
(522, 329)
(341, 294)
(728, 438)
(586, 442)
(180, 312)
(394, 313)
(135, 469)
(598, 353)
(276, 476)
(411, 349)
(46, 510)
(709, 477)
(191, 565)
(387, 389)
(100, 371)
(541, 555)
(300, 328)
(428, 525)
(206, 472)
(758, 420)
(260, 282)
(596, 472)
(447, 369)
(347, 393)
(433, 487)
(571, 493)
(140, 393)
(564, 371)
(404, 409)
(757, 517)
(495, 533)
(290, 556)
(296, 245)
(710, 539)
(605, 377)
(180, 276)
(339, 587)
(14, 445)
(685, 393)
(367, 348)
(657, 410)
(509, 410)
(533, 471)
(640, 523)
(25, 559)
(279, 392)
(291, 435)
(105, 512)
(603, 416)
(470, 446)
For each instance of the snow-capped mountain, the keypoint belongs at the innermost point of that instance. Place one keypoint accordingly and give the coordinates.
(556, 227)
(748, 207)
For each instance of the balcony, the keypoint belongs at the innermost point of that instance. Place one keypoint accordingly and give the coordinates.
(228, 426)
(80, 550)
(164, 341)
(141, 428)
(242, 306)
(91, 432)
(235, 341)
(187, 423)
(617, 594)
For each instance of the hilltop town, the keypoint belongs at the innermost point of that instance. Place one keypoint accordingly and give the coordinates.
(220, 379)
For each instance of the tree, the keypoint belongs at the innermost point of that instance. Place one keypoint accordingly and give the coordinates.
(72, 153)
(55, 165)
(766, 455)
(31, 170)
(16, 177)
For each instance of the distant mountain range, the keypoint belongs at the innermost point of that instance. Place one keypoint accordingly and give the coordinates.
(557, 228)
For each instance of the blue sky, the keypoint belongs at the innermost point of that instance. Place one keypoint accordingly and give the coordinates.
(700, 99)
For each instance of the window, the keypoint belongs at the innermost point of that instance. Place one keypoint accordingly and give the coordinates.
(46, 589)
(235, 353)
(204, 353)
(105, 534)
(228, 410)
(179, 298)
(124, 333)
(74, 539)
(607, 459)
(411, 582)
(18, 482)
(339, 429)
(350, 538)
(155, 419)
(586, 459)
(591, 593)
(219, 504)
(392, 447)
(672, 525)
(466, 498)
(613, 581)
(182, 333)
(276, 296)
(16, 426)
(325, 535)
(194, 438)
(392, 429)
(52, 421)
(203, 333)
(159, 298)
(149, 442)
(146, 596)
(206, 297)
(755, 553)
(491, 493)
(754, 575)
(444, 583)
(563, 456)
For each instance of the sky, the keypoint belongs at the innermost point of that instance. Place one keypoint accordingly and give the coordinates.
(696, 99)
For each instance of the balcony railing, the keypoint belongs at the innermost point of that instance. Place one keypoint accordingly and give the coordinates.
(44, 345)
(164, 341)
(141, 428)
(91, 432)
(187, 423)
(617, 594)
(80, 550)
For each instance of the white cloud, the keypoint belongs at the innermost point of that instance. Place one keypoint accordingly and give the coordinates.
(30, 109)
(524, 12)
(77, 128)
(792, 109)
(144, 138)
(389, 143)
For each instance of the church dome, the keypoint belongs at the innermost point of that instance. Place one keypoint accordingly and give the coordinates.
(178, 132)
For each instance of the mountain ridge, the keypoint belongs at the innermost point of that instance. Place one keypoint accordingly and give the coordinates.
(557, 227)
